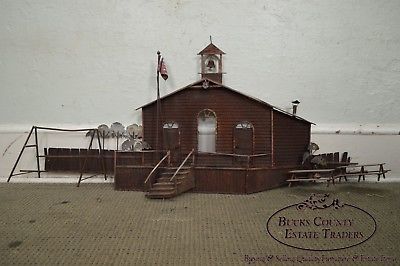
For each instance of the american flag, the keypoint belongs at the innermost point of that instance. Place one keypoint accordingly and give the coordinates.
(162, 69)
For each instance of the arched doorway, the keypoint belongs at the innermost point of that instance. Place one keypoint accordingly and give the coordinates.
(243, 138)
(206, 131)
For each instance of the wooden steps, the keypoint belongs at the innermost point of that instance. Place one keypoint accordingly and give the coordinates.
(164, 188)
(171, 181)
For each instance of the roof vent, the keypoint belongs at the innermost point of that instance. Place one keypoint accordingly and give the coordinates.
(295, 103)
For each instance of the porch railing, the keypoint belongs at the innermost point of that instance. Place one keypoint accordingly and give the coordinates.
(233, 160)
(155, 169)
(139, 158)
(191, 153)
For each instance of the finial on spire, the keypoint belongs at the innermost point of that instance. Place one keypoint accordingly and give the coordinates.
(210, 39)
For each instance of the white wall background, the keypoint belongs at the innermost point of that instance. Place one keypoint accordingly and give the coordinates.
(83, 63)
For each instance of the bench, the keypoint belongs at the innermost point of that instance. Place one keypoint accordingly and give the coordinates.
(362, 171)
(311, 175)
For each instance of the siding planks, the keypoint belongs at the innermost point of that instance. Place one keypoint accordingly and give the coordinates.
(230, 108)
(291, 139)
(219, 180)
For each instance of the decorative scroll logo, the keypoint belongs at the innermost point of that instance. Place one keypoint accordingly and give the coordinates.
(321, 223)
(319, 201)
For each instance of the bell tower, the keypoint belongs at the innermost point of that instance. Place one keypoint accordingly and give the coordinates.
(211, 63)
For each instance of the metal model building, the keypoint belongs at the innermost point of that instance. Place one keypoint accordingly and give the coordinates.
(209, 137)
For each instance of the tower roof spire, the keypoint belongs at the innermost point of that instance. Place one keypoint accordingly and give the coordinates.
(211, 49)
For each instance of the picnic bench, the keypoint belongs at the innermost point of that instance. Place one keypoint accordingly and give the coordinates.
(329, 166)
(312, 175)
(361, 170)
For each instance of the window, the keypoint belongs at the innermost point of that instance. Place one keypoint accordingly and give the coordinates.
(207, 131)
(170, 125)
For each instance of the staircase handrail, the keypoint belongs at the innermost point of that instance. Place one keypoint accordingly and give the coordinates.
(156, 167)
(182, 164)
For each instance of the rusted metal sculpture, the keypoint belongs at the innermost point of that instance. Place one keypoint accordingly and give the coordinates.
(240, 144)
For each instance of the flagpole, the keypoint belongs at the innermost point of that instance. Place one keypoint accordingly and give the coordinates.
(158, 102)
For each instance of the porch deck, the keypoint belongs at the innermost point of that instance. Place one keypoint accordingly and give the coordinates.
(213, 172)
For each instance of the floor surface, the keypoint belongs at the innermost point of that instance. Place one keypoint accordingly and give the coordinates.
(49, 224)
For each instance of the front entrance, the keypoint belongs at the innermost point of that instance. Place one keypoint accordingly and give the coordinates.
(171, 141)
(243, 138)
(206, 131)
